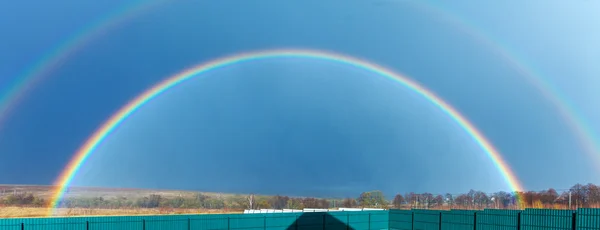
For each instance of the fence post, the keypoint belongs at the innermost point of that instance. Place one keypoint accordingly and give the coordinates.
(412, 220)
(22, 226)
(369, 221)
(347, 221)
(474, 220)
(574, 224)
(143, 224)
(296, 223)
(87, 225)
(265, 222)
(440, 227)
(228, 222)
(189, 224)
(519, 221)
(324, 221)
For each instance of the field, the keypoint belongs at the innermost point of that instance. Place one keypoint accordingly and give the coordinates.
(32, 201)
(45, 192)
(107, 193)
(10, 212)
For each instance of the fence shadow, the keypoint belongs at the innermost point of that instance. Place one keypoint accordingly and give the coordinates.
(321, 221)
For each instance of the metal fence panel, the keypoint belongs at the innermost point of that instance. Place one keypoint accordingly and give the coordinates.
(264, 221)
(337, 221)
(538, 219)
(116, 223)
(246, 221)
(588, 218)
(280, 221)
(155, 223)
(427, 219)
(400, 219)
(498, 219)
(379, 220)
(458, 220)
(358, 221)
(488, 219)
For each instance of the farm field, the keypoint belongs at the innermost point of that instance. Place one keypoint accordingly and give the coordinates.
(33, 201)
(13, 212)
(97, 196)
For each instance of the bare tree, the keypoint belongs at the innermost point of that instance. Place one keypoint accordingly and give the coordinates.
(349, 203)
(593, 192)
(398, 201)
(427, 199)
(579, 196)
(480, 199)
(438, 200)
(450, 200)
(279, 202)
(412, 199)
(463, 200)
(251, 201)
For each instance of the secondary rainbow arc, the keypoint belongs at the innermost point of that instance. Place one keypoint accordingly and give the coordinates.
(573, 119)
(132, 106)
(23, 83)
(27, 80)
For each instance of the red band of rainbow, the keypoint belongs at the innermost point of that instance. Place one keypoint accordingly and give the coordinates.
(115, 120)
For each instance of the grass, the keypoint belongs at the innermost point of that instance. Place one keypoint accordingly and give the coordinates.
(14, 212)
(18, 212)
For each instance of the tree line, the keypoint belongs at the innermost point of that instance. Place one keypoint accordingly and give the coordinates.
(577, 196)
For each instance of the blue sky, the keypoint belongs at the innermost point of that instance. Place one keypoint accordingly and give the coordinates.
(297, 126)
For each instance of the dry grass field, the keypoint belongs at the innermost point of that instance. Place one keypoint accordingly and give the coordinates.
(45, 192)
(107, 193)
(13, 212)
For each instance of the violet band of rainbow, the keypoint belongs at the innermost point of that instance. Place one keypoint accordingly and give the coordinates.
(132, 106)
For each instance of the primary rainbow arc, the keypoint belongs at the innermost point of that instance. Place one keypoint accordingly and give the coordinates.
(15, 92)
(566, 110)
(132, 106)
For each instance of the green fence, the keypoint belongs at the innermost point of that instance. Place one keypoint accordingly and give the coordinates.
(458, 220)
(401, 219)
(427, 219)
(498, 219)
(534, 219)
(272, 221)
(588, 218)
(488, 219)
(494, 219)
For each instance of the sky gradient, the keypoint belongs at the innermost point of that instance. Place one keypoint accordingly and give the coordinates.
(303, 127)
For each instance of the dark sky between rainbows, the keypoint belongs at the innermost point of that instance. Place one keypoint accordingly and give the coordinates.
(302, 127)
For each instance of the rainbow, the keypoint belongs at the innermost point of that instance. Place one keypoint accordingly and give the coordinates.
(23, 83)
(55, 57)
(576, 122)
(132, 106)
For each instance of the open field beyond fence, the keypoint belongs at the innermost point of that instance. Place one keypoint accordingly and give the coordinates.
(11, 212)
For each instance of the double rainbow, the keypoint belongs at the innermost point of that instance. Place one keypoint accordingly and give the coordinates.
(23, 83)
(118, 118)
